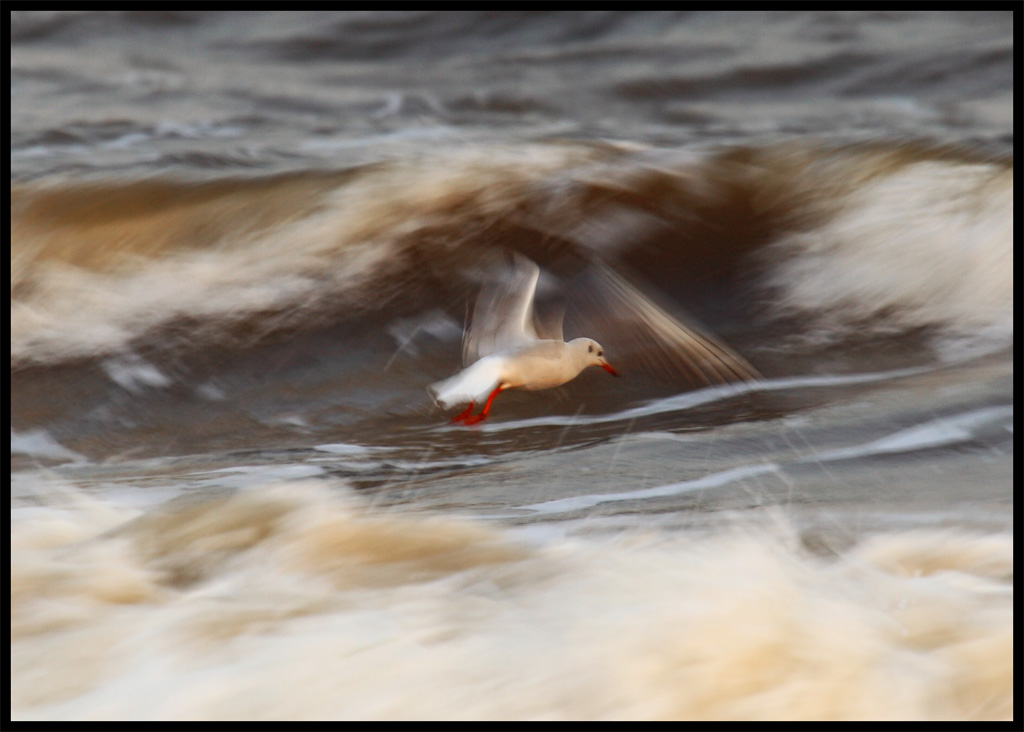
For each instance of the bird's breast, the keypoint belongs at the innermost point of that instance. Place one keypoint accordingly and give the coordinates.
(528, 371)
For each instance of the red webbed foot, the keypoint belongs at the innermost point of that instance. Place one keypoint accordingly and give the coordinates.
(467, 418)
(465, 415)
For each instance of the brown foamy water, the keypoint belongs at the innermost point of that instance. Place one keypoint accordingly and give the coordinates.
(299, 601)
(244, 244)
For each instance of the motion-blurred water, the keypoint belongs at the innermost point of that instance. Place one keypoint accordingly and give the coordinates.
(244, 243)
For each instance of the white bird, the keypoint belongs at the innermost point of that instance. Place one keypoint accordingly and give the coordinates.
(506, 346)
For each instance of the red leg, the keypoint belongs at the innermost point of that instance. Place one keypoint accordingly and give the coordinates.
(487, 408)
(465, 414)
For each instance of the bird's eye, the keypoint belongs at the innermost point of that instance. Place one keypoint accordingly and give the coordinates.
(600, 353)
(590, 349)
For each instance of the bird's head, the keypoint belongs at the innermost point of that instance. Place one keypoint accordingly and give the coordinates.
(594, 354)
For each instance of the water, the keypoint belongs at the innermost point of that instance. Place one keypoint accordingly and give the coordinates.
(244, 244)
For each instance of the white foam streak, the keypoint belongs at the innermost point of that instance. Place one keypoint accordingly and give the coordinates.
(946, 431)
(939, 432)
(692, 399)
(40, 443)
(132, 373)
(715, 480)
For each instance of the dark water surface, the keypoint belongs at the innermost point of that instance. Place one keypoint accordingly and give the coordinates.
(243, 245)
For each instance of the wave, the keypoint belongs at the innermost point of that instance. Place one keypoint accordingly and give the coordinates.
(853, 240)
(293, 600)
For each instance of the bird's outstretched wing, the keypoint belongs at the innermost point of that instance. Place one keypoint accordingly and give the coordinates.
(548, 322)
(611, 309)
(503, 314)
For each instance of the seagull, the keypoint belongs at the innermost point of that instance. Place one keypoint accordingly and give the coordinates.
(506, 346)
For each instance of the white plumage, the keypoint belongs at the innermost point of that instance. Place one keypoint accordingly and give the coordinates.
(502, 349)
(507, 347)
(469, 385)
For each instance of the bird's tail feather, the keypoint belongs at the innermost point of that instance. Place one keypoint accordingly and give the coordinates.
(469, 385)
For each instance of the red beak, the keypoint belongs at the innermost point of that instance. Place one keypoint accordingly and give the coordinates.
(609, 369)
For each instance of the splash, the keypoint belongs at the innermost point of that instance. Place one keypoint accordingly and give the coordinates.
(852, 240)
(295, 600)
